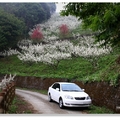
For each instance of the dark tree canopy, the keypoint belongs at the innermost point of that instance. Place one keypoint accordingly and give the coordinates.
(30, 13)
(103, 18)
(11, 30)
(52, 7)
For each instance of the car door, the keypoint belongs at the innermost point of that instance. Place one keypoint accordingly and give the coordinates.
(56, 92)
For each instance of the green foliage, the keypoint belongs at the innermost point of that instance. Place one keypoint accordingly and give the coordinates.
(101, 17)
(13, 107)
(11, 30)
(30, 13)
(99, 110)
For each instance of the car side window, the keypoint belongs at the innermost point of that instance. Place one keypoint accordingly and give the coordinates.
(56, 85)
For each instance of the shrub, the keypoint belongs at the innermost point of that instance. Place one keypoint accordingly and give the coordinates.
(64, 30)
(36, 34)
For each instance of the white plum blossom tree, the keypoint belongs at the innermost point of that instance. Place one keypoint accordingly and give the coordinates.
(50, 53)
(53, 52)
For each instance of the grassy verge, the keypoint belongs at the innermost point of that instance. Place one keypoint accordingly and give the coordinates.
(20, 106)
(13, 108)
(99, 110)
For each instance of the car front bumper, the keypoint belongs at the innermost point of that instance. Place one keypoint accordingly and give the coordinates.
(77, 103)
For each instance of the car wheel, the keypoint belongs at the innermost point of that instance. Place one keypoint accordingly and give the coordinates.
(49, 98)
(61, 103)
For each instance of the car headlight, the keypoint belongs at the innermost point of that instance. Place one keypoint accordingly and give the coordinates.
(68, 97)
(88, 97)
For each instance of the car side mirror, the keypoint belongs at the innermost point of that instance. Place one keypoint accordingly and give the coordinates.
(83, 90)
(57, 89)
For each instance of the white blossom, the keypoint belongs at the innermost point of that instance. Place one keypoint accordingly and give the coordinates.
(6, 80)
(9, 52)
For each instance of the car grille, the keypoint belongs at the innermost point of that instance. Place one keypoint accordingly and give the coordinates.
(80, 98)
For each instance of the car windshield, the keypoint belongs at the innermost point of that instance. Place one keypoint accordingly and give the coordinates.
(71, 87)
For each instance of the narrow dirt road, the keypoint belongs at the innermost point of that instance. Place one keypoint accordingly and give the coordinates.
(43, 106)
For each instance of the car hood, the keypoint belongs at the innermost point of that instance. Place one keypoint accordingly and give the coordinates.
(75, 94)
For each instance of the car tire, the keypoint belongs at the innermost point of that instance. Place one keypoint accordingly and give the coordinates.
(49, 98)
(61, 103)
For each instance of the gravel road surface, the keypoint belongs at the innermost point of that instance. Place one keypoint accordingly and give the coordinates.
(43, 106)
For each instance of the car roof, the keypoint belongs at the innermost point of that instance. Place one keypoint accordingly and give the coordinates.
(64, 82)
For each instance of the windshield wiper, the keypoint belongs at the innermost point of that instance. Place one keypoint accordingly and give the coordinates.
(76, 90)
(66, 90)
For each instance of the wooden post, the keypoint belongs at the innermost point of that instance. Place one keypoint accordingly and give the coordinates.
(6, 97)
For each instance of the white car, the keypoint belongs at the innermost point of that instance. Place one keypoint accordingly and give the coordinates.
(68, 94)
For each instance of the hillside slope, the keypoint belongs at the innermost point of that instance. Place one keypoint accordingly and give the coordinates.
(79, 68)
